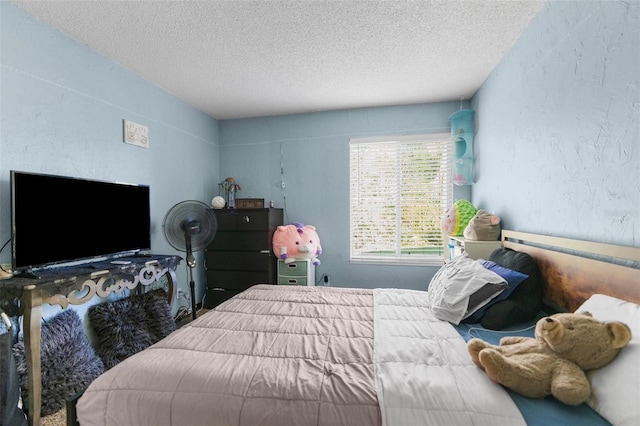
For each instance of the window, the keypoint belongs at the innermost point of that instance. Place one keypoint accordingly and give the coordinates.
(400, 189)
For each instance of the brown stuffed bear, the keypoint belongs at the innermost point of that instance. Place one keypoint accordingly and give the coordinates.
(553, 362)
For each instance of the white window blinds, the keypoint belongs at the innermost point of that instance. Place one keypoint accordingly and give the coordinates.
(400, 189)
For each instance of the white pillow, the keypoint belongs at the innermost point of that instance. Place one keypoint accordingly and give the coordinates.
(461, 287)
(615, 388)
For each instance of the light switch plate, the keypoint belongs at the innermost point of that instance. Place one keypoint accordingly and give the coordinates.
(136, 134)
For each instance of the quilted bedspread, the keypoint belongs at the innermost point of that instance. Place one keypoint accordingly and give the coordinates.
(273, 355)
(424, 373)
(283, 355)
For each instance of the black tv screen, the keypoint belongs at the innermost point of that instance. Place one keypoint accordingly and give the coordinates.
(60, 219)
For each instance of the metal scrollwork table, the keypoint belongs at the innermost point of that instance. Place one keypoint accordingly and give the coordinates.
(76, 285)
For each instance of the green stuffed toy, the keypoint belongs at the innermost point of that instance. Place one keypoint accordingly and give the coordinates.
(457, 218)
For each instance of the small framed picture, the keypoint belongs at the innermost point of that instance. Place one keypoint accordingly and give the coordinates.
(136, 134)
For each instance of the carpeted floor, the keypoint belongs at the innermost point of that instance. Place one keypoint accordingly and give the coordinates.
(55, 419)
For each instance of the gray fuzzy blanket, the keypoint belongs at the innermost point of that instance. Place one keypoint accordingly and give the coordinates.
(69, 363)
(127, 326)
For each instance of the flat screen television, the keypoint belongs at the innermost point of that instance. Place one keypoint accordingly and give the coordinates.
(61, 219)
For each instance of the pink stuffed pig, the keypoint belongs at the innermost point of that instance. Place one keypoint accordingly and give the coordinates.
(297, 242)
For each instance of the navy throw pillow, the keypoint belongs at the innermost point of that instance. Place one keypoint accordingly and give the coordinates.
(525, 302)
(513, 279)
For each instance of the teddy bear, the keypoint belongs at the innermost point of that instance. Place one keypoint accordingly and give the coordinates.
(552, 363)
(297, 242)
(484, 226)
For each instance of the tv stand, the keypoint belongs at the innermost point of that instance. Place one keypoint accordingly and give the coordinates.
(76, 285)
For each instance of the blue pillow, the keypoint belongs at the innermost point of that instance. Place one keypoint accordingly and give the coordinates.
(513, 279)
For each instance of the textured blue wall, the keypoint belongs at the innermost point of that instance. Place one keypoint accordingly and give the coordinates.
(556, 135)
(310, 153)
(62, 107)
(558, 125)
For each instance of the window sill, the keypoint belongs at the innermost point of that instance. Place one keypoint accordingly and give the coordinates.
(389, 261)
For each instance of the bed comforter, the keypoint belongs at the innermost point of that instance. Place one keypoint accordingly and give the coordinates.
(277, 355)
(424, 374)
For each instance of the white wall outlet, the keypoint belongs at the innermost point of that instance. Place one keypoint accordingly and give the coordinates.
(136, 134)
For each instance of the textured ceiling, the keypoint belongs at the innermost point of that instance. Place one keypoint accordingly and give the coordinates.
(236, 59)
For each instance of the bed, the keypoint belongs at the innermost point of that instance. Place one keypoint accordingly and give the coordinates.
(276, 355)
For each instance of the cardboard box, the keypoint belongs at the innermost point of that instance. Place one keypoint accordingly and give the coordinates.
(249, 203)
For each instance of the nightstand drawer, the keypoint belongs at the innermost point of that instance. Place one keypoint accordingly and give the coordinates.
(236, 280)
(238, 260)
(215, 296)
(295, 269)
(243, 219)
(241, 241)
(282, 280)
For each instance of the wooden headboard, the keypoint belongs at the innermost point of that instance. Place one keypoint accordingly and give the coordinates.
(573, 270)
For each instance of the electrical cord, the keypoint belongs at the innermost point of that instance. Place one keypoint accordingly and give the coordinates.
(182, 314)
(323, 280)
(479, 329)
(2, 248)
(282, 185)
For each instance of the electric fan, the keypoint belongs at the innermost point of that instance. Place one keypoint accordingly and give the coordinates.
(190, 226)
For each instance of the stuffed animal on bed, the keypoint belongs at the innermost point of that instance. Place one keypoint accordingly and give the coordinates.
(297, 242)
(554, 362)
(484, 226)
(457, 218)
